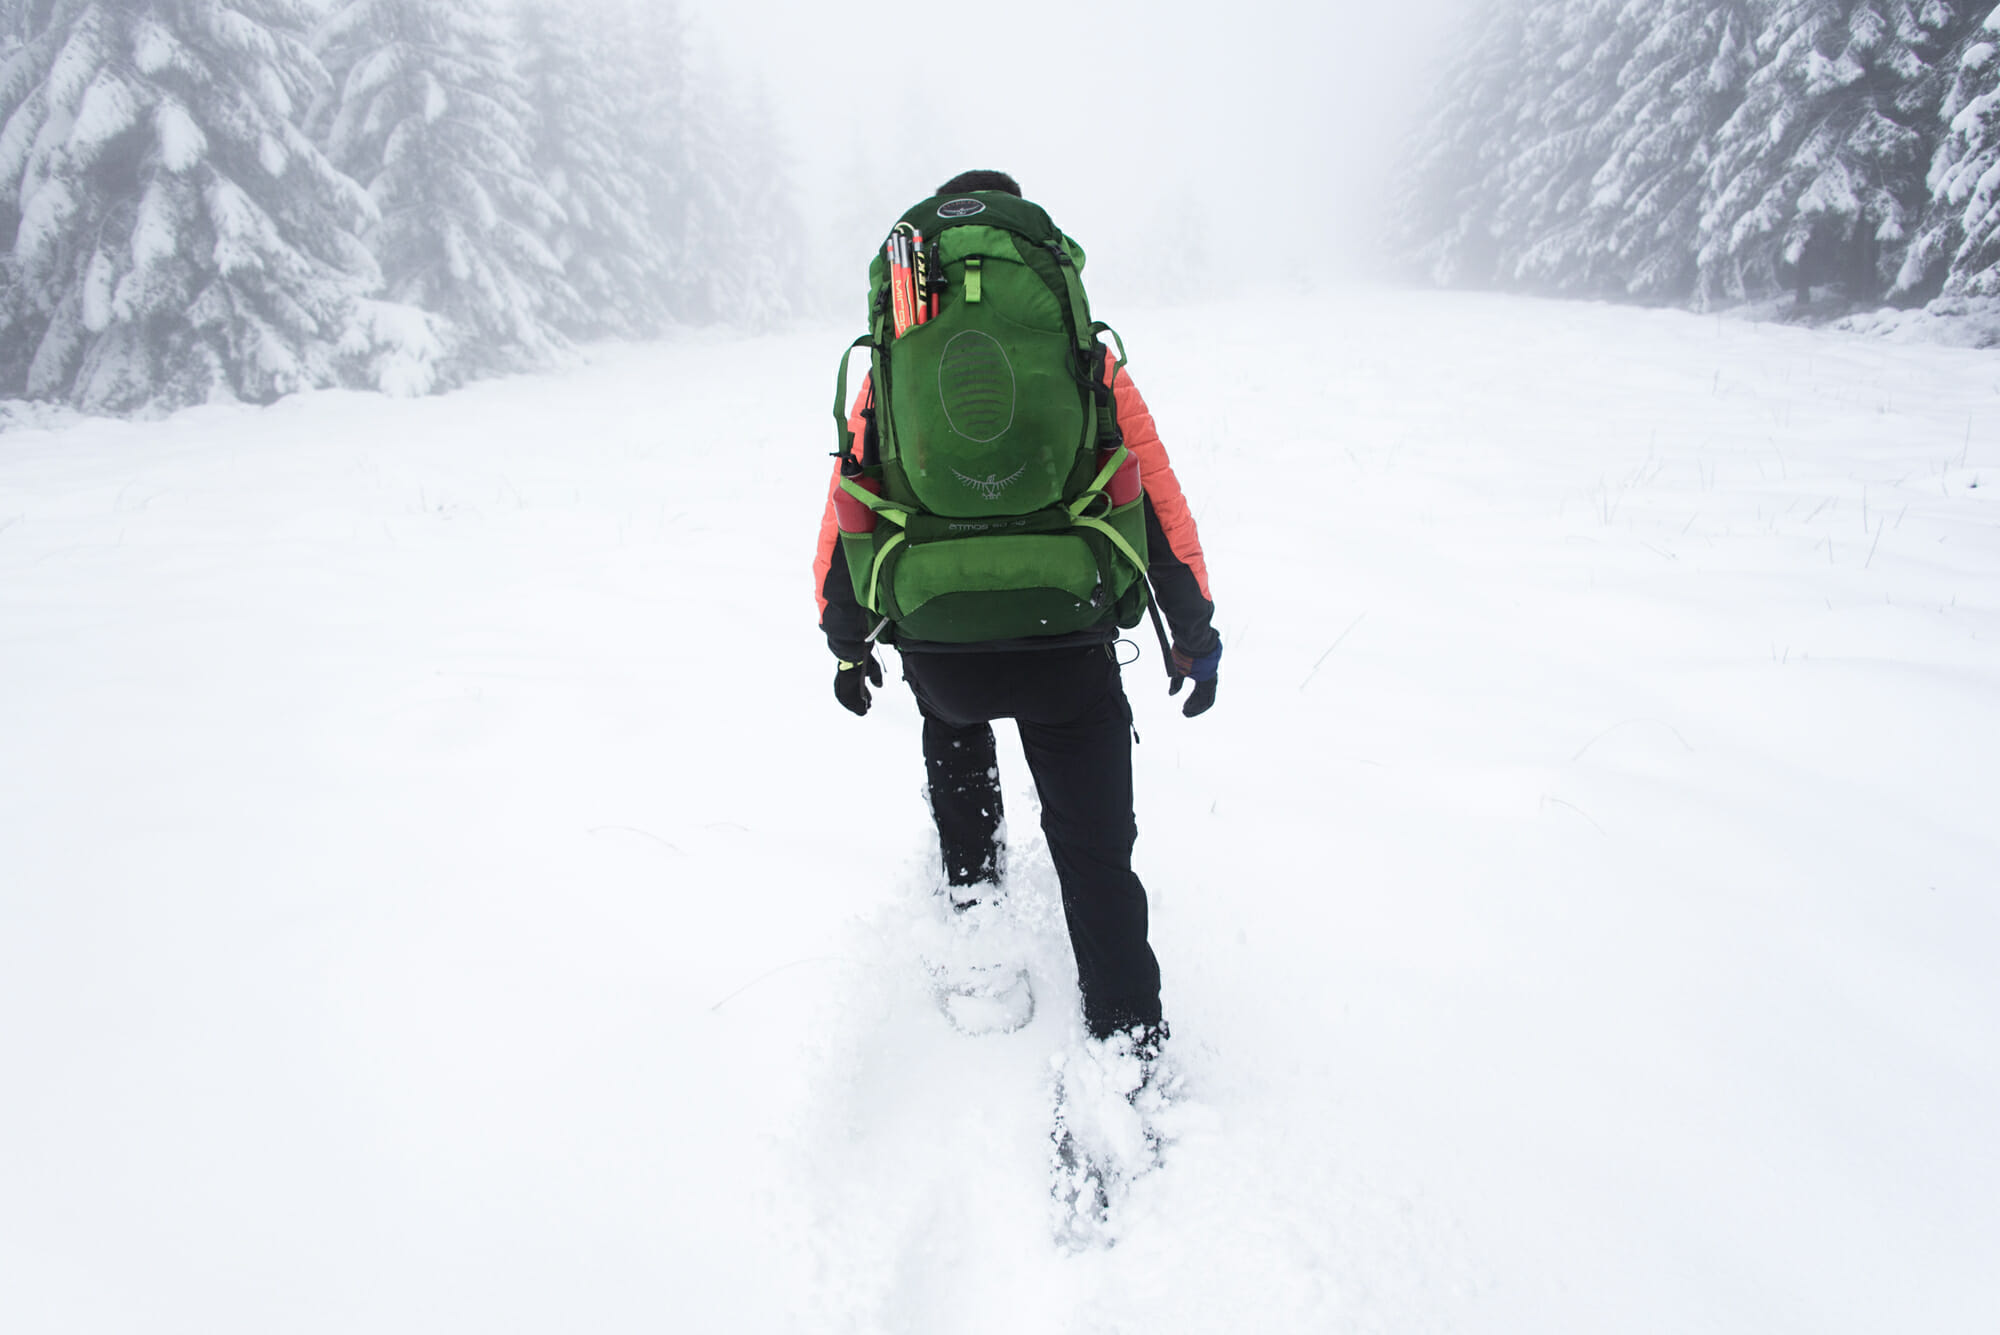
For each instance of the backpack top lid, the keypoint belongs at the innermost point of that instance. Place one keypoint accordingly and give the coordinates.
(989, 208)
(993, 208)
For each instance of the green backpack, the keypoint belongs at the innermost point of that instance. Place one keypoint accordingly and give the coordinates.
(987, 472)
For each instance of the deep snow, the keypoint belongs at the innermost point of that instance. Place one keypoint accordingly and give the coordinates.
(438, 890)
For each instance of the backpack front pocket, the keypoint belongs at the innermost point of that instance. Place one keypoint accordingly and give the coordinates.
(971, 590)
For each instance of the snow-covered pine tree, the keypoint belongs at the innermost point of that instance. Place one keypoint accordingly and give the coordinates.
(1819, 175)
(752, 275)
(1572, 55)
(576, 72)
(650, 93)
(1443, 217)
(429, 115)
(699, 222)
(16, 342)
(717, 184)
(173, 235)
(1683, 80)
(1961, 237)
(774, 282)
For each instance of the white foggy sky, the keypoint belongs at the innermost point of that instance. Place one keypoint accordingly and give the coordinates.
(1260, 113)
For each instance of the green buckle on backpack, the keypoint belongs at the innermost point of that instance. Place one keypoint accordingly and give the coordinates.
(972, 267)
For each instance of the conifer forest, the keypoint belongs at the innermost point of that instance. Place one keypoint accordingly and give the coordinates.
(1713, 152)
(246, 198)
(240, 199)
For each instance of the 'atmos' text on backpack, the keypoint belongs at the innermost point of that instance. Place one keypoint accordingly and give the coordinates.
(992, 497)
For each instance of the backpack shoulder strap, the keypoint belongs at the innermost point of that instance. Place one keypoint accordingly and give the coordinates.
(840, 395)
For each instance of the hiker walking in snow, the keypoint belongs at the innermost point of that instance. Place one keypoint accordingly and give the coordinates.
(1000, 506)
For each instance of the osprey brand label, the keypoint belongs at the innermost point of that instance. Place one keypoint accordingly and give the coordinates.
(989, 486)
(960, 208)
(989, 525)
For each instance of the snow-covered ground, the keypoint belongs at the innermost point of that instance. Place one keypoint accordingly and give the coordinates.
(439, 892)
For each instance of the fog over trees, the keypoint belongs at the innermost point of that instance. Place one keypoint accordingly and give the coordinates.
(205, 199)
(245, 198)
(1715, 151)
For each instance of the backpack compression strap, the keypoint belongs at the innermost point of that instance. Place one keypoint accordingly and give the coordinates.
(840, 396)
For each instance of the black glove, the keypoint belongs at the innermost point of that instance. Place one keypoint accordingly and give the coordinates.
(1203, 670)
(850, 682)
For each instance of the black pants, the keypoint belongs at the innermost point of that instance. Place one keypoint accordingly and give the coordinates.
(1076, 731)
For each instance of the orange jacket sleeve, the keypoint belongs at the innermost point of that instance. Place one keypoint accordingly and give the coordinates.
(1156, 471)
(841, 615)
(1175, 563)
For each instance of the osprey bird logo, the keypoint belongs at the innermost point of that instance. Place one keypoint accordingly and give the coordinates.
(992, 484)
